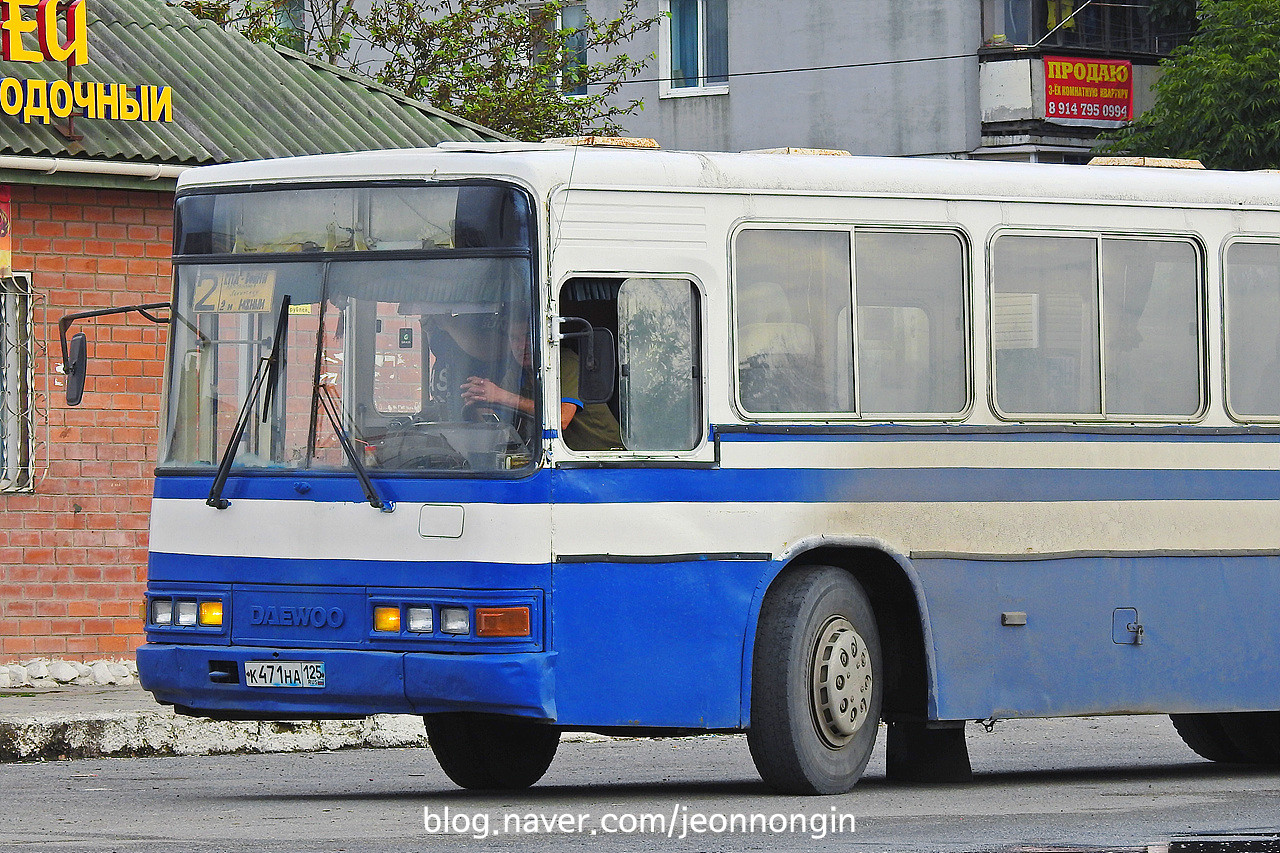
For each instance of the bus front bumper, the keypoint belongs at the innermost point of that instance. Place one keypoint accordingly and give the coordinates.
(211, 681)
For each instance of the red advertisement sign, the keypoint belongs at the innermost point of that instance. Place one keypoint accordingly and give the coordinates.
(1088, 91)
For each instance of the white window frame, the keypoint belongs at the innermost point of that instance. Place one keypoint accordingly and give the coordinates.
(665, 89)
(17, 384)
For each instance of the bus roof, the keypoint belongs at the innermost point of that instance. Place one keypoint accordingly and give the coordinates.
(544, 166)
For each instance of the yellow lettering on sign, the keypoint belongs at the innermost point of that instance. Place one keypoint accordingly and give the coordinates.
(12, 27)
(44, 100)
(73, 48)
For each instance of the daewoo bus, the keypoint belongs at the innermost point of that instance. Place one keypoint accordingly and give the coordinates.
(896, 440)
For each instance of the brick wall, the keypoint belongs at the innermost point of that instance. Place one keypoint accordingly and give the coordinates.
(73, 554)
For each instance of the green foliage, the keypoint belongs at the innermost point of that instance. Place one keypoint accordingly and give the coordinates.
(508, 65)
(1218, 100)
(319, 28)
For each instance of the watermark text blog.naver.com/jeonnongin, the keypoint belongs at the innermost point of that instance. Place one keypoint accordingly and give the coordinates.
(679, 822)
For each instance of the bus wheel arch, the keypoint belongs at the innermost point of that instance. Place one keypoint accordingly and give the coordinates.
(900, 614)
(819, 607)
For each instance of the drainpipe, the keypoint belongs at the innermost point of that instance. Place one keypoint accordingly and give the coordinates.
(51, 165)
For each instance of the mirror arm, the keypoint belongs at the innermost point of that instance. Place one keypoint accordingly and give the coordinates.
(587, 332)
(64, 324)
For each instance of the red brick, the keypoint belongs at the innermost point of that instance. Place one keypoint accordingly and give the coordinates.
(83, 645)
(119, 644)
(48, 645)
(13, 645)
(86, 609)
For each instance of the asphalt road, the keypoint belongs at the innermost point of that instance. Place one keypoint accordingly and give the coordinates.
(1110, 784)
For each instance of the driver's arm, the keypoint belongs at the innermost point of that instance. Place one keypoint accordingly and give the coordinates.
(480, 390)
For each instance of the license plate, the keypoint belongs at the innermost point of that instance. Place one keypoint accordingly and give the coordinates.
(283, 673)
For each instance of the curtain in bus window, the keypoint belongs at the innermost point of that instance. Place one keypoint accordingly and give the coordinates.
(1253, 329)
(909, 289)
(1044, 325)
(1150, 327)
(792, 304)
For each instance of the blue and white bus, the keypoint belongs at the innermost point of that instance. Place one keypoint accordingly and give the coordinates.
(912, 441)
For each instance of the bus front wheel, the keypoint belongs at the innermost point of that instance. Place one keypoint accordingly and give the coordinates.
(1251, 737)
(485, 753)
(816, 683)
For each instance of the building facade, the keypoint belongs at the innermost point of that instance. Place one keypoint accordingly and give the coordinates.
(91, 145)
(982, 78)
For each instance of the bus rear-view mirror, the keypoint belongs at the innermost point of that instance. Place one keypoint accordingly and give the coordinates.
(597, 367)
(76, 368)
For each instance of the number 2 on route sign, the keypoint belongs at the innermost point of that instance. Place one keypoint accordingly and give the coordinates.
(235, 292)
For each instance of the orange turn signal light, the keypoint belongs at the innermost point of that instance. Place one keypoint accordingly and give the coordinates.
(386, 619)
(502, 622)
(211, 613)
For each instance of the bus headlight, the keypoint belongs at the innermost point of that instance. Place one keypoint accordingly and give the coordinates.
(184, 612)
(161, 611)
(420, 621)
(455, 620)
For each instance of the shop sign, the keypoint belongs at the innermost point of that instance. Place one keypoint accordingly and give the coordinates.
(43, 100)
(1097, 92)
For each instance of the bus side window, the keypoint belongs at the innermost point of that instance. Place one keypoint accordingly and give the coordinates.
(792, 304)
(658, 362)
(1253, 330)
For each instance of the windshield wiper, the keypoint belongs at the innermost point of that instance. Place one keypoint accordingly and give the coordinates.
(268, 371)
(331, 409)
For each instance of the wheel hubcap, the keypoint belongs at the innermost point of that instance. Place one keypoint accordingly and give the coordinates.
(842, 682)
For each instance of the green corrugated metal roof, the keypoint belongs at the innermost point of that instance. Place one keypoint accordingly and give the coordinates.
(232, 99)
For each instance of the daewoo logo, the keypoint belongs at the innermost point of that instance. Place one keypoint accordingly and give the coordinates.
(301, 617)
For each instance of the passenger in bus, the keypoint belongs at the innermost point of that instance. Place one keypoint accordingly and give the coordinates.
(585, 427)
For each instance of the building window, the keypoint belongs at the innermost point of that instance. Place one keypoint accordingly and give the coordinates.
(1137, 26)
(696, 45)
(574, 18)
(566, 29)
(16, 392)
(291, 19)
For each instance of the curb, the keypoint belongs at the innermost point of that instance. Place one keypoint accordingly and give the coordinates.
(164, 733)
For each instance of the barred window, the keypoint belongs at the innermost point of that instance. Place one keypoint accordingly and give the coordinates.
(16, 392)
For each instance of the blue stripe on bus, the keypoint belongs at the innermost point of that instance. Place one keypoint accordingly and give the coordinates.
(646, 485)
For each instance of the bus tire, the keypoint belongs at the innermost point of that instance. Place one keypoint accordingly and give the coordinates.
(817, 682)
(1256, 735)
(1206, 737)
(491, 753)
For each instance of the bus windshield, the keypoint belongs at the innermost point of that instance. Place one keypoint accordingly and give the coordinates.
(376, 348)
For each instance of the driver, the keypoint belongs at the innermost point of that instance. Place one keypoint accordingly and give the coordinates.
(585, 427)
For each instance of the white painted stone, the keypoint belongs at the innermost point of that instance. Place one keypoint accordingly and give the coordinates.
(4, 677)
(82, 668)
(102, 674)
(63, 672)
(37, 669)
(118, 669)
